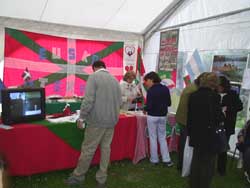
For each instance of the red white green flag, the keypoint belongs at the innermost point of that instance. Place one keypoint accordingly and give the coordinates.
(140, 71)
(168, 78)
(187, 80)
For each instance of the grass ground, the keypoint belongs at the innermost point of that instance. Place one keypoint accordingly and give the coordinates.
(124, 174)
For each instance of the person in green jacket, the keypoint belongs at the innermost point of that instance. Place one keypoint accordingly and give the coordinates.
(181, 116)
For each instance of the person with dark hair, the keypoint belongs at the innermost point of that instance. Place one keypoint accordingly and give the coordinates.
(98, 65)
(204, 116)
(2, 86)
(244, 146)
(231, 104)
(157, 103)
(181, 116)
(100, 108)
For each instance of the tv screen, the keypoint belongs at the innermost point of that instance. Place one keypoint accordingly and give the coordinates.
(22, 105)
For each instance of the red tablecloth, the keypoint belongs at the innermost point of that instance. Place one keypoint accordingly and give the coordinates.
(30, 149)
(141, 146)
(142, 141)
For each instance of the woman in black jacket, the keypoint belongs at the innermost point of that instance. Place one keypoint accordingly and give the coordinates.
(204, 115)
(231, 104)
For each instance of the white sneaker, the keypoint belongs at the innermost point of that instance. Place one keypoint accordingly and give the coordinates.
(247, 176)
(169, 164)
(240, 164)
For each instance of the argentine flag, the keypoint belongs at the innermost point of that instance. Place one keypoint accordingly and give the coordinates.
(194, 66)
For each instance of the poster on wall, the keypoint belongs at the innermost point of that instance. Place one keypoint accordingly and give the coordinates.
(130, 56)
(168, 50)
(231, 66)
(168, 56)
(61, 65)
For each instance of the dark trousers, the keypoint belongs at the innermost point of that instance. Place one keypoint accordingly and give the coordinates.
(181, 146)
(202, 169)
(246, 160)
(222, 160)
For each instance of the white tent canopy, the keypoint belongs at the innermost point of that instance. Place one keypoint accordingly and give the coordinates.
(134, 16)
(207, 26)
(201, 22)
(119, 15)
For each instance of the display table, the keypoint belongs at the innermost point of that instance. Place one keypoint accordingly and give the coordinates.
(142, 140)
(141, 146)
(38, 147)
(34, 148)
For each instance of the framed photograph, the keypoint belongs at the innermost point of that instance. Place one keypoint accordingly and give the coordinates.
(231, 66)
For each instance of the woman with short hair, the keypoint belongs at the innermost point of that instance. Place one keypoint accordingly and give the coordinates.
(157, 103)
(129, 91)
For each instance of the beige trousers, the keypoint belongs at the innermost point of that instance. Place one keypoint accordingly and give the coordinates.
(93, 137)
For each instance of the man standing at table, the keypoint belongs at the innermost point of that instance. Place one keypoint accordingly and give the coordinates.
(100, 109)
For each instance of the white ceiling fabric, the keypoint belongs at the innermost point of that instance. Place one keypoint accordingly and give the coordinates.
(198, 9)
(121, 15)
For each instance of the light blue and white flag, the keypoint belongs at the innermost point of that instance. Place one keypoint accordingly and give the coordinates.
(195, 66)
(245, 81)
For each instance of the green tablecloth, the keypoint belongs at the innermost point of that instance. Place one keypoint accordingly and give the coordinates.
(57, 107)
(66, 131)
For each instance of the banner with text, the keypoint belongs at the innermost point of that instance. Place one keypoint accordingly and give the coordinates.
(168, 56)
(61, 65)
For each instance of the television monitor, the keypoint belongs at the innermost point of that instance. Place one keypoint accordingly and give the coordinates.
(22, 105)
(236, 87)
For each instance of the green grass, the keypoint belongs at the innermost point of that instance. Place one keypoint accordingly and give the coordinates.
(124, 174)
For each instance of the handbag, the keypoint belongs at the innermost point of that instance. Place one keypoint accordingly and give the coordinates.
(187, 159)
